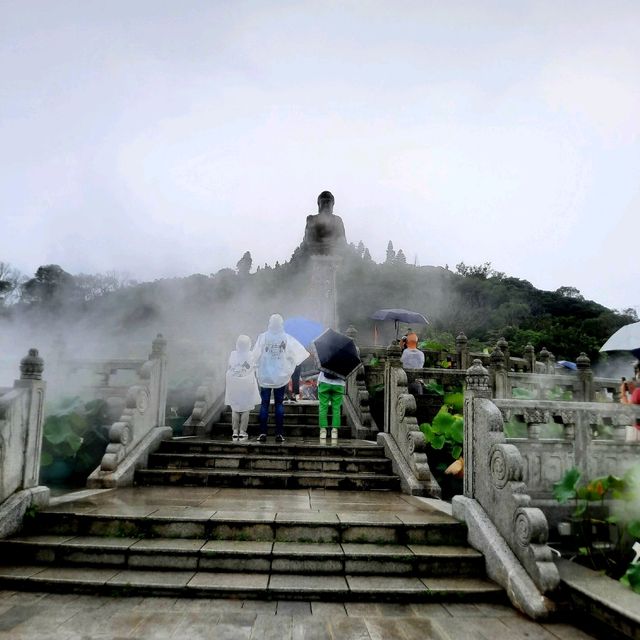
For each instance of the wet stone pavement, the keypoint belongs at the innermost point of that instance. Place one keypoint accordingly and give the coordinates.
(40, 616)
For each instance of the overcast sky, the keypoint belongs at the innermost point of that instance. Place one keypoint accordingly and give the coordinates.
(166, 138)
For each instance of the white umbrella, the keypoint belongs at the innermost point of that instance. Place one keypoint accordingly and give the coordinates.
(625, 339)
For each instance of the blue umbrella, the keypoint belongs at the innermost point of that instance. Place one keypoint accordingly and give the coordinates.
(303, 330)
(567, 365)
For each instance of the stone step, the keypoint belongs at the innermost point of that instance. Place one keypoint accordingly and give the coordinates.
(260, 526)
(209, 584)
(289, 419)
(313, 448)
(307, 431)
(244, 556)
(267, 479)
(246, 461)
(294, 408)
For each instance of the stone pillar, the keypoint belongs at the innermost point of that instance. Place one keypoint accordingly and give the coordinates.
(544, 358)
(462, 351)
(31, 368)
(498, 375)
(159, 352)
(585, 375)
(322, 291)
(530, 358)
(476, 386)
(552, 363)
(503, 345)
(352, 333)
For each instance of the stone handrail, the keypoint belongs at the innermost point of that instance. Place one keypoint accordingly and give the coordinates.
(141, 423)
(357, 406)
(497, 506)
(402, 437)
(21, 422)
(593, 438)
(208, 406)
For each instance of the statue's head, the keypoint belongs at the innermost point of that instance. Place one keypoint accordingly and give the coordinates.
(326, 201)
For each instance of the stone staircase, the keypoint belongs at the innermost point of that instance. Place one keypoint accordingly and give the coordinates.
(243, 519)
(302, 461)
(403, 554)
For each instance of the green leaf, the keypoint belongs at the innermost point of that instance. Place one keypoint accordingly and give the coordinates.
(634, 529)
(456, 452)
(46, 459)
(456, 430)
(632, 577)
(434, 387)
(454, 400)
(565, 489)
(580, 509)
(438, 441)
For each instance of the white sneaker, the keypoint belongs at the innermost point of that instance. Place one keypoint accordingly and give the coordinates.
(235, 436)
(334, 434)
(244, 435)
(323, 434)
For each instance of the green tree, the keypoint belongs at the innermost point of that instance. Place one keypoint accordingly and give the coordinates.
(391, 254)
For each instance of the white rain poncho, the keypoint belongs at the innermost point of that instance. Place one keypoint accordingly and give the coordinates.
(412, 359)
(277, 354)
(242, 392)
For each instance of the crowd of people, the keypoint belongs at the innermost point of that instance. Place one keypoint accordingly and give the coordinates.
(255, 374)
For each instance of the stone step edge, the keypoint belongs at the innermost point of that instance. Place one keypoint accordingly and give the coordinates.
(252, 457)
(245, 520)
(453, 551)
(272, 473)
(379, 587)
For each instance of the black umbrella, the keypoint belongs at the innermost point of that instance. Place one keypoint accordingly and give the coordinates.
(337, 353)
(400, 315)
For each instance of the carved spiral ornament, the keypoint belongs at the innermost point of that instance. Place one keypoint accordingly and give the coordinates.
(505, 465)
(530, 527)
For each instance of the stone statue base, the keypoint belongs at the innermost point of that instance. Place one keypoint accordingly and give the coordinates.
(323, 302)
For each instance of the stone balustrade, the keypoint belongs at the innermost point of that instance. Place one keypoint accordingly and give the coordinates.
(21, 421)
(592, 436)
(497, 507)
(141, 424)
(208, 406)
(402, 438)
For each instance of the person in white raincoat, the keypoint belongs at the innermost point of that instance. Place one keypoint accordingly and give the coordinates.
(277, 354)
(241, 393)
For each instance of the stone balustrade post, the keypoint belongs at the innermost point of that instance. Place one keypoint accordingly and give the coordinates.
(31, 368)
(462, 351)
(159, 352)
(544, 358)
(503, 345)
(585, 374)
(498, 375)
(477, 385)
(552, 363)
(530, 358)
(352, 333)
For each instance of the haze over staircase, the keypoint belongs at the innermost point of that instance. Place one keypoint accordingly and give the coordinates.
(302, 461)
(306, 519)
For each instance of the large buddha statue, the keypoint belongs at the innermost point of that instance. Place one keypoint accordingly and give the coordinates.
(324, 233)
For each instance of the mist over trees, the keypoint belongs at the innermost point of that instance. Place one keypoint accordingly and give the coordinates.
(482, 302)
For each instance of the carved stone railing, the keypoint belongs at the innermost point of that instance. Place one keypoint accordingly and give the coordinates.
(592, 436)
(141, 424)
(402, 438)
(357, 408)
(21, 420)
(208, 406)
(497, 506)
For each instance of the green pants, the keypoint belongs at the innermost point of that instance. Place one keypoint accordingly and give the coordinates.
(330, 393)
